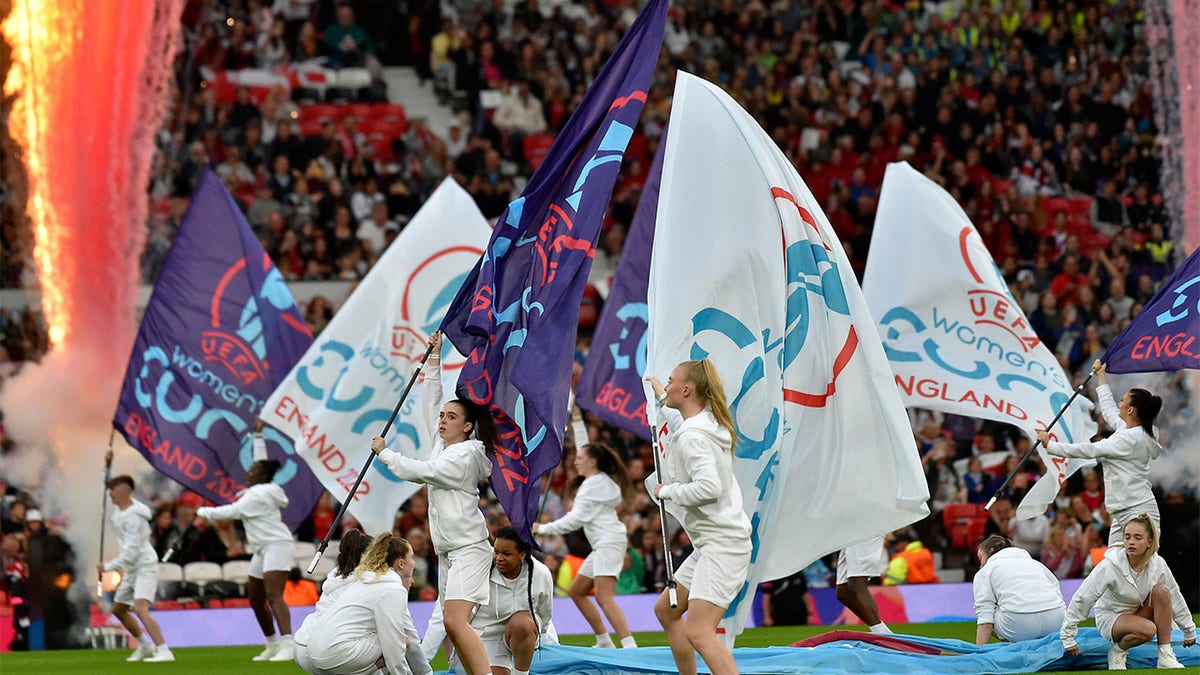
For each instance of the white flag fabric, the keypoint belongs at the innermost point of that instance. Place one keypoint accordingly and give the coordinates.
(957, 339)
(747, 271)
(341, 393)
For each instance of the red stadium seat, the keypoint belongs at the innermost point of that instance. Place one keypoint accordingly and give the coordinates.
(1052, 205)
(960, 513)
(536, 146)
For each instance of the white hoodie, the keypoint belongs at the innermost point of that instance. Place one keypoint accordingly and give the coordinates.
(258, 507)
(132, 525)
(331, 590)
(372, 610)
(698, 472)
(1015, 583)
(1126, 457)
(452, 474)
(509, 596)
(595, 510)
(1114, 589)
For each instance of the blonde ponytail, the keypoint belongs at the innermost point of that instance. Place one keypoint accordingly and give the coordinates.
(703, 374)
(383, 552)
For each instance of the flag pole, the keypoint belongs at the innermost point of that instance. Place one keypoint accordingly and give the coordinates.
(371, 458)
(108, 458)
(1037, 444)
(662, 520)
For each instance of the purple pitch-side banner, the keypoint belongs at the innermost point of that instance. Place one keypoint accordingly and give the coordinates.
(220, 332)
(611, 383)
(1166, 334)
(515, 316)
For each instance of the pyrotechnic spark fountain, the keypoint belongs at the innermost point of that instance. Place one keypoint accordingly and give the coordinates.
(90, 79)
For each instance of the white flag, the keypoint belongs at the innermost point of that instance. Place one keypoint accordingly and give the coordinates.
(746, 270)
(957, 339)
(341, 393)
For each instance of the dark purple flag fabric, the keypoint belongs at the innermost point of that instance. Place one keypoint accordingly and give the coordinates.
(515, 316)
(220, 332)
(1166, 334)
(611, 383)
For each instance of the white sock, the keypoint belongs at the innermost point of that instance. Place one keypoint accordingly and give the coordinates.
(272, 639)
(145, 641)
(164, 648)
(604, 640)
(518, 671)
(286, 638)
(628, 642)
(1165, 649)
(881, 627)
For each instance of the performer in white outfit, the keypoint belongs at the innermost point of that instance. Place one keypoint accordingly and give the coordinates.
(138, 565)
(466, 435)
(350, 552)
(365, 629)
(1016, 597)
(1135, 597)
(517, 619)
(856, 564)
(259, 507)
(1126, 455)
(605, 488)
(701, 491)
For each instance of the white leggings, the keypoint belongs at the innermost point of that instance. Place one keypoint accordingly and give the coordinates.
(1012, 627)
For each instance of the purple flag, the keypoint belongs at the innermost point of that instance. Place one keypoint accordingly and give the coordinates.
(1166, 334)
(515, 316)
(220, 332)
(611, 383)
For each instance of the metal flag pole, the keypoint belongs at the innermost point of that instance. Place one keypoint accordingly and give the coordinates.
(662, 517)
(108, 458)
(1037, 444)
(371, 458)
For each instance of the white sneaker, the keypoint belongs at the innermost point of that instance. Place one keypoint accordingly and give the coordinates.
(1116, 658)
(271, 650)
(284, 653)
(141, 653)
(161, 655)
(1167, 659)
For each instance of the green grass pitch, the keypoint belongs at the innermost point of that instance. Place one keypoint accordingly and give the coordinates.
(236, 660)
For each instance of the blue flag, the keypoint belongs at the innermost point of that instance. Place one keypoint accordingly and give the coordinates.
(1166, 334)
(611, 383)
(220, 332)
(515, 316)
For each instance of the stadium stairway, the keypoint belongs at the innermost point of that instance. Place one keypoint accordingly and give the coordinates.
(420, 102)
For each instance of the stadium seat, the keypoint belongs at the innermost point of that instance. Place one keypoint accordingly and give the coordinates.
(321, 570)
(198, 576)
(959, 513)
(303, 550)
(170, 572)
(237, 572)
(535, 147)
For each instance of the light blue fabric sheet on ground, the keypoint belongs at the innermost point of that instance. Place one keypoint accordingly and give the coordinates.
(859, 658)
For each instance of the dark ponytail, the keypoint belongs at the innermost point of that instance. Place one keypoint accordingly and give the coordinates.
(608, 461)
(269, 468)
(1147, 406)
(510, 533)
(482, 424)
(350, 551)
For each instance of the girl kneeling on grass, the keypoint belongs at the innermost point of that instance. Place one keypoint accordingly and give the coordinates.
(1136, 598)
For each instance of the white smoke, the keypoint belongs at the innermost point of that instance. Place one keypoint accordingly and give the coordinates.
(1178, 467)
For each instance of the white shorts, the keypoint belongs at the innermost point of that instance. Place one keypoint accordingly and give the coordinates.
(864, 559)
(605, 560)
(300, 654)
(1118, 519)
(139, 583)
(715, 577)
(276, 557)
(466, 574)
(1011, 627)
(1105, 622)
(353, 657)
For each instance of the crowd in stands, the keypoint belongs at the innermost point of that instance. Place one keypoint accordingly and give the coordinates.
(1037, 115)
